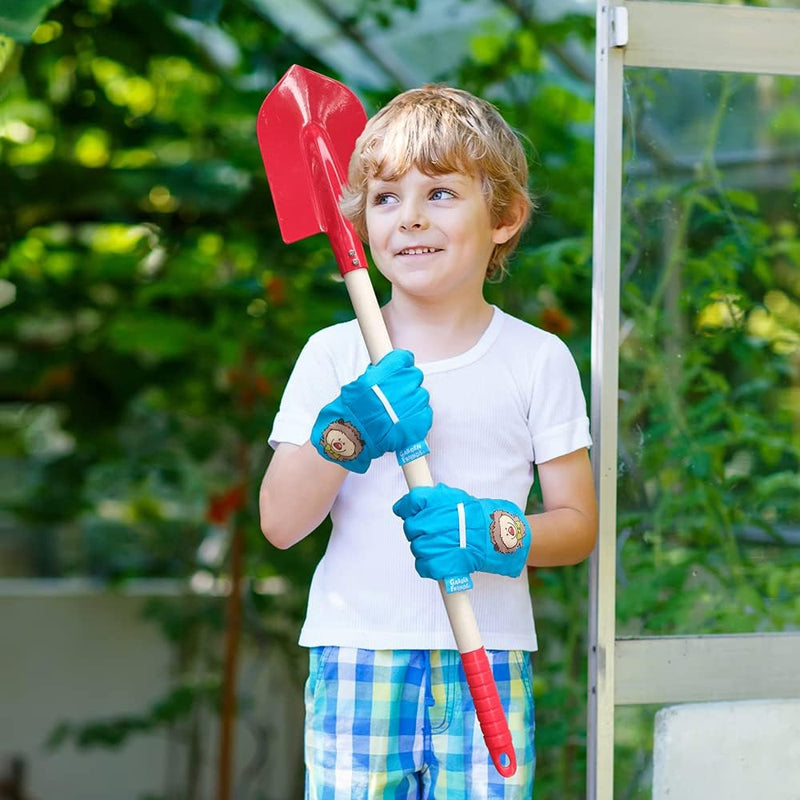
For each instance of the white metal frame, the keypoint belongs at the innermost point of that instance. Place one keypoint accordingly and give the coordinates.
(676, 668)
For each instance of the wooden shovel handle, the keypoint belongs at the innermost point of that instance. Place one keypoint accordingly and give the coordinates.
(457, 604)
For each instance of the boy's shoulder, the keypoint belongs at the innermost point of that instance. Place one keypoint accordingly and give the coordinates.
(522, 332)
(341, 346)
(526, 343)
(336, 336)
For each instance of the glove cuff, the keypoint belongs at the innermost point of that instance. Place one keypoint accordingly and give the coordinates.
(338, 439)
(509, 537)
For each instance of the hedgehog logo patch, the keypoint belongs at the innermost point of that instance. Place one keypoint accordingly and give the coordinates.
(507, 531)
(341, 441)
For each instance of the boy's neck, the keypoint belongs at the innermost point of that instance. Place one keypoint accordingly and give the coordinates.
(435, 331)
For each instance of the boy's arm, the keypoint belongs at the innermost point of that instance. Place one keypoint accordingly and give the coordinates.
(565, 532)
(386, 409)
(452, 533)
(297, 493)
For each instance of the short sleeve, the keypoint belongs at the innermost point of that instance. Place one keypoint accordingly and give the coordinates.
(312, 383)
(557, 418)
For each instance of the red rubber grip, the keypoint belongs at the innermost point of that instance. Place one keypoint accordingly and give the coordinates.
(490, 713)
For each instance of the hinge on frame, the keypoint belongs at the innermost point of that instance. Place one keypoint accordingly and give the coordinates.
(617, 26)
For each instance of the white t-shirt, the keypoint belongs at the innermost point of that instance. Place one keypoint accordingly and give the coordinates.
(512, 400)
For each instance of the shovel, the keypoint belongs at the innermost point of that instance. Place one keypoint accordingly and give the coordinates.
(307, 127)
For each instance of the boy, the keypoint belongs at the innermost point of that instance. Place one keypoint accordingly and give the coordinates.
(438, 188)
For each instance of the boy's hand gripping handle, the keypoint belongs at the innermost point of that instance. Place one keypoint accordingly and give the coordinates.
(481, 683)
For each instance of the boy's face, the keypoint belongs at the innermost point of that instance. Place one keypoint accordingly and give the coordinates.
(431, 236)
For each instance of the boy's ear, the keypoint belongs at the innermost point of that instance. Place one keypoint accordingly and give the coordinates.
(512, 221)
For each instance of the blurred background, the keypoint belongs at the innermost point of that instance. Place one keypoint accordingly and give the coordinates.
(150, 316)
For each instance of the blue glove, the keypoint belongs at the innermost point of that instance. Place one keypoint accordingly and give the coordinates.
(453, 533)
(385, 410)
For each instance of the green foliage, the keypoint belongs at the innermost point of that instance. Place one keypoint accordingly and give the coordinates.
(153, 317)
(714, 370)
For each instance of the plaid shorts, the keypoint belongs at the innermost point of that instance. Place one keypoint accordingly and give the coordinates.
(401, 724)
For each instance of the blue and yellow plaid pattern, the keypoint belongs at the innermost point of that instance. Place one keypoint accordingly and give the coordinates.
(401, 724)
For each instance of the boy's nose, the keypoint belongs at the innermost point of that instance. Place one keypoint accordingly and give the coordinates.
(412, 218)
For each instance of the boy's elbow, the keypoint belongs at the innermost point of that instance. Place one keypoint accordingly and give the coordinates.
(275, 530)
(280, 543)
(282, 529)
(270, 534)
(582, 540)
(588, 540)
(277, 535)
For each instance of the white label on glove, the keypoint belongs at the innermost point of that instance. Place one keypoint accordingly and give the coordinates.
(412, 453)
(462, 526)
(461, 584)
(386, 404)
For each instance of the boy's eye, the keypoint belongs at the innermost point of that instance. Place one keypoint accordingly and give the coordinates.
(442, 194)
(384, 199)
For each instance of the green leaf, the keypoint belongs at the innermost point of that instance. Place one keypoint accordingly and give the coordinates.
(19, 18)
(485, 49)
(6, 51)
(746, 200)
(59, 735)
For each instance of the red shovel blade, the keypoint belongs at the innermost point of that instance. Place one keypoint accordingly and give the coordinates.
(307, 128)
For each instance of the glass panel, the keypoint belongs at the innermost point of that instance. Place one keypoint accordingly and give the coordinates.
(634, 727)
(767, 3)
(709, 445)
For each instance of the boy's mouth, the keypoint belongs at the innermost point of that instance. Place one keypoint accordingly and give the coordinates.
(418, 251)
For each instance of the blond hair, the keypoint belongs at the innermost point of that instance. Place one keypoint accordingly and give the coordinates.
(439, 130)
